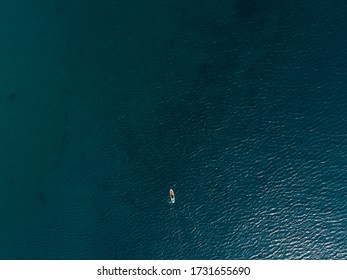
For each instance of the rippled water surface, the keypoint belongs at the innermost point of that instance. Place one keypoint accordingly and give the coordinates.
(105, 105)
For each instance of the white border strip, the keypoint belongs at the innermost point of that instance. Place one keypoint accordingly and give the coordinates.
(88, 270)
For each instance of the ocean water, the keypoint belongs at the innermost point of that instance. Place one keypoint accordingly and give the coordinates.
(105, 105)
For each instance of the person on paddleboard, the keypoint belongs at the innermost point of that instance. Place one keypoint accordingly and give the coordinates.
(172, 196)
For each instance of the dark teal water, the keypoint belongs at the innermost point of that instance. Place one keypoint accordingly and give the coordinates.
(106, 104)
